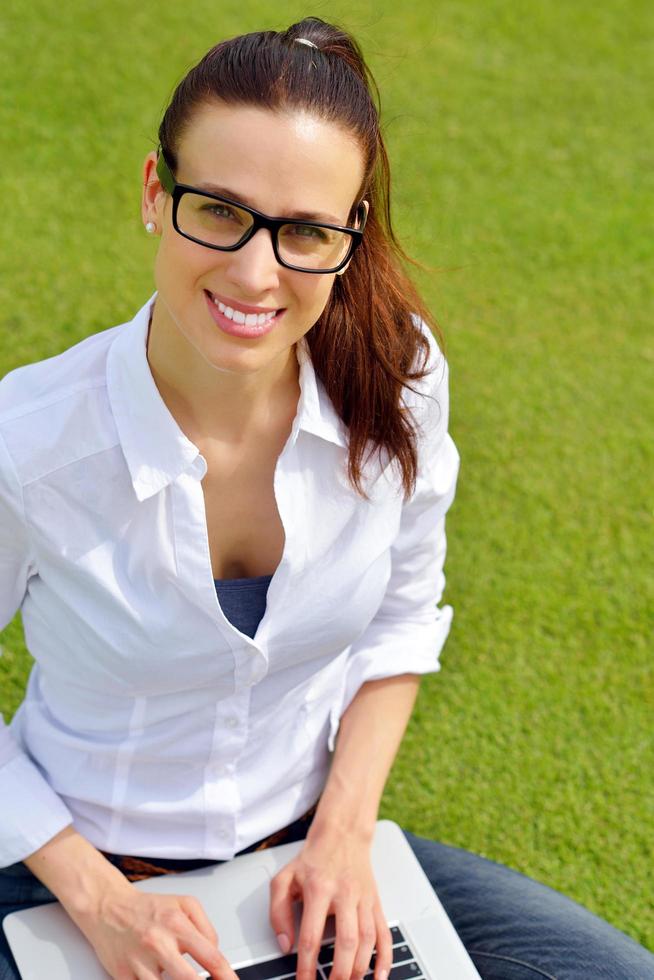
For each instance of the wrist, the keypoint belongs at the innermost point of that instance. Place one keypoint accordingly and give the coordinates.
(77, 874)
(334, 831)
(341, 812)
(96, 894)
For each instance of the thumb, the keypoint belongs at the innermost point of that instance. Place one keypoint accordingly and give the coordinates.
(281, 909)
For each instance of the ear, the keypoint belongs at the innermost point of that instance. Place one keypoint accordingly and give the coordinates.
(153, 196)
(366, 205)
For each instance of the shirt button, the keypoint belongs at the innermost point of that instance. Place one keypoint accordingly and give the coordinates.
(231, 722)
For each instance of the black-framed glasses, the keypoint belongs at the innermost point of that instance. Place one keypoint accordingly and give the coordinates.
(219, 223)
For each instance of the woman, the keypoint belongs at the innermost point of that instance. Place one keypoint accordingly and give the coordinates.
(224, 525)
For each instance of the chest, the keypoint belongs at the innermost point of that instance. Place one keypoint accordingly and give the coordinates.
(122, 601)
(244, 528)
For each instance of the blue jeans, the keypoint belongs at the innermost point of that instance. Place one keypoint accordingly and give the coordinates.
(513, 928)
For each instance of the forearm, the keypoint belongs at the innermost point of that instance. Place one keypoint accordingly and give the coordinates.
(76, 872)
(133, 933)
(370, 733)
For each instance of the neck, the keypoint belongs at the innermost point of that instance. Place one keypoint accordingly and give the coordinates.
(210, 404)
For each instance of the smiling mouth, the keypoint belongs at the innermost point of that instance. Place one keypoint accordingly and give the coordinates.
(244, 319)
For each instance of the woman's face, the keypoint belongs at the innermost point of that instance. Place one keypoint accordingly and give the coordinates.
(278, 163)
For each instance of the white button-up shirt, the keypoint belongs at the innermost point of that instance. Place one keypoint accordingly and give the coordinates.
(150, 722)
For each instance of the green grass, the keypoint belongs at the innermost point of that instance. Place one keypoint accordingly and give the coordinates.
(519, 136)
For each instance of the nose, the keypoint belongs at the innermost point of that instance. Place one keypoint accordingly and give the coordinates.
(254, 268)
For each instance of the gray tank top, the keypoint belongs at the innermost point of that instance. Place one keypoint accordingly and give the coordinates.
(243, 600)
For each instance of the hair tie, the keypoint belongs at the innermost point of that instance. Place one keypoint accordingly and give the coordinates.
(303, 40)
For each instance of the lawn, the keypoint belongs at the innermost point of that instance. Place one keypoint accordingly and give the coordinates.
(520, 138)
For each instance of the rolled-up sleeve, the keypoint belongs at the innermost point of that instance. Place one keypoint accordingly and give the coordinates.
(31, 812)
(408, 632)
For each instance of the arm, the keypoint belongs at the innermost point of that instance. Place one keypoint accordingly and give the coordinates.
(369, 737)
(409, 629)
(133, 933)
(129, 930)
(31, 812)
(333, 872)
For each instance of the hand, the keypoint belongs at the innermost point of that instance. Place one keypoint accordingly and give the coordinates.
(137, 935)
(332, 875)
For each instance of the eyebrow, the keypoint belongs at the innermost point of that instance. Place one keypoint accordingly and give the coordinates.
(297, 215)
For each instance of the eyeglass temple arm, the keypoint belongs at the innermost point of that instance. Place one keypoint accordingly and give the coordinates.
(363, 210)
(164, 174)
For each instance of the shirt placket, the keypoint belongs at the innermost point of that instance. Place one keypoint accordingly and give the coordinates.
(290, 499)
(249, 662)
(222, 801)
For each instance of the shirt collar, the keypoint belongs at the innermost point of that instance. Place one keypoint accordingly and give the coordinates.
(155, 448)
(316, 412)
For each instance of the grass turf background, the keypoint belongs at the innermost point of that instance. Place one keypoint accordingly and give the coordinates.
(518, 134)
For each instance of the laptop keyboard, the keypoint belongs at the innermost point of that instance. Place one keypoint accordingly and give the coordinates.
(405, 966)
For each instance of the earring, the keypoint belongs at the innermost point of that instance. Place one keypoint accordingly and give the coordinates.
(150, 227)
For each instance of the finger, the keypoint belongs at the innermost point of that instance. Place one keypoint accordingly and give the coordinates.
(165, 956)
(367, 937)
(206, 954)
(144, 973)
(316, 901)
(347, 938)
(175, 967)
(384, 944)
(199, 917)
(281, 910)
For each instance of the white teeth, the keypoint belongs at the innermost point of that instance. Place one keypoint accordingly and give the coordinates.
(249, 319)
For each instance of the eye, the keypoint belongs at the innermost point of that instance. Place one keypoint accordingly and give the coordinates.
(309, 232)
(219, 210)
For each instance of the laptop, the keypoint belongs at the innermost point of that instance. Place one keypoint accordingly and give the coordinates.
(235, 896)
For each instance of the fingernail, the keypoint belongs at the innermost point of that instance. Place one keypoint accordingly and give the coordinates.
(383, 974)
(284, 942)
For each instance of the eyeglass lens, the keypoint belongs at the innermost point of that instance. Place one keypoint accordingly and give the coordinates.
(218, 223)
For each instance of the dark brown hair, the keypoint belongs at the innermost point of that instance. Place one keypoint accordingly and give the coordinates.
(366, 346)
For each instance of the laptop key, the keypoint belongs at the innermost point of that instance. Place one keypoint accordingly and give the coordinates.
(326, 954)
(400, 954)
(405, 971)
(404, 967)
(328, 967)
(279, 966)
